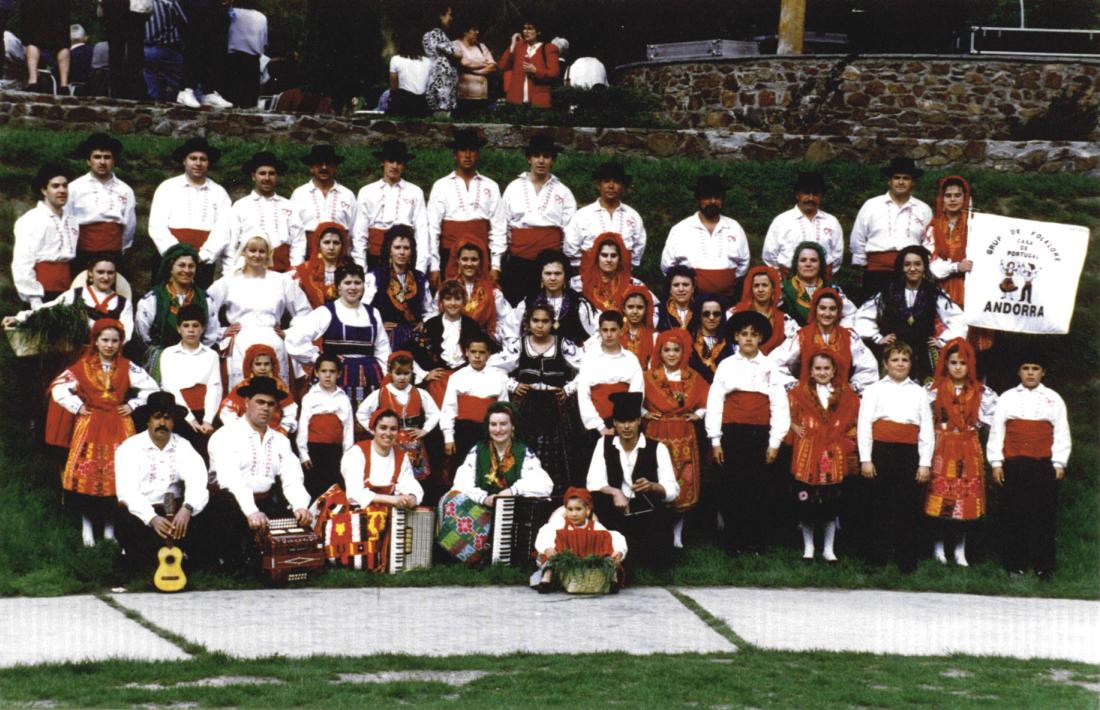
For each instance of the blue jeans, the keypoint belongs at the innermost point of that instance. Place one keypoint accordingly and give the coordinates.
(163, 72)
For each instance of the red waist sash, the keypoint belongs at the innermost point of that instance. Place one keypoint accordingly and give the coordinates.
(54, 276)
(453, 231)
(747, 408)
(194, 237)
(1028, 438)
(100, 236)
(473, 408)
(326, 429)
(601, 396)
(194, 397)
(375, 237)
(891, 432)
(716, 281)
(527, 242)
(881, 260)
(281, 259)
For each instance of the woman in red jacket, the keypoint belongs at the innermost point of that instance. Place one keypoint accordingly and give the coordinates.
(531, 68)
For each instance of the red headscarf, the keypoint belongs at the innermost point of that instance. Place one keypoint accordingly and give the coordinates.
(958, 410)
(678, 335)
(104, 324)
(389, 364)
(605, 296)
(774, 314)
(950, 243)
(642, 344)
(840, 343)
(481, 304)
(575, 492)
(311, 274)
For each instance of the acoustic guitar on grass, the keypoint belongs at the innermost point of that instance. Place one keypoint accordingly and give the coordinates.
(169, 576)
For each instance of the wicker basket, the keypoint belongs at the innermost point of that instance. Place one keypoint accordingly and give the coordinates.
(590, 580)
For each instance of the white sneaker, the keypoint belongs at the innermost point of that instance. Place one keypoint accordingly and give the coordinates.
(187, 98)
(215, 100)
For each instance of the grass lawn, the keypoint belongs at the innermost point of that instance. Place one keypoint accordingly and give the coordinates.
(45, 556)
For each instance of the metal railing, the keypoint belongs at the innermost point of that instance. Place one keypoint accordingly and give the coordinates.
(1034, 41)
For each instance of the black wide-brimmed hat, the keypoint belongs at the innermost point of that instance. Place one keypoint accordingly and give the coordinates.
(198, 144)
(322, 153)
(611, 171)
(261, 385)
(98, 141)
(1029, 350)
(813, 183)
(709, 186)
(626, 406)
(48, 172)
(394, 150)
(903, 165)
(466, 139)
(741, 319)
(264, 157)
(159, 402)
(542, 144)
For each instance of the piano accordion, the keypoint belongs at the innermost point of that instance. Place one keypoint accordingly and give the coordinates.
(516, 523)
(412, 533)
(289, 552)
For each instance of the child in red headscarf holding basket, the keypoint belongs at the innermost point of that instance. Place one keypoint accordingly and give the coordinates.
(574, 529)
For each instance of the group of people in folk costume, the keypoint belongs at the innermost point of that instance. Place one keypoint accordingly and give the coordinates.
(444, 351)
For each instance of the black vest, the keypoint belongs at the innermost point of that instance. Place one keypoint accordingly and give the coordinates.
(645, 466)
(553, 371)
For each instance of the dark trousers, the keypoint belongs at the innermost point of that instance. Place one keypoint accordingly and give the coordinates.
(745, 489)
(198, 440)
(234, 545)
(325, 471)
(163, 72)
(467, 433)
(896, 501)
(519, 278)
(141, 543)
(126, 42)
(648, 536)
(874, 282)
(242, 80)
(204, 46)
(1029, 506)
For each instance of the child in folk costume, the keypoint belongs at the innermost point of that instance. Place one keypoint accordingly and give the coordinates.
(90, 415)
(675, 401)
(499, 465)
(437, 346)
(824, 413)
(259, 361)
(326, 428)
(485, 303)
(317, 275)
(895, 436)
(760, 293)
(1029, 445)
(416, 410)
(397, 289)
(574, 528)
(747, 418)
(191, 372)
(638, 333)
(470, 392)
(960, 404)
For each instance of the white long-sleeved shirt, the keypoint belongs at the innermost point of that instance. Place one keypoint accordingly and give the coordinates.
(548, 534)
(180, 204)
(791, 228)
(352, 468)
(486, 382)
(759, 374)
(602, 368)
(315, 207)
(248, 463)
(249, 216)
(110, 200)
(301, 336)
(144, 473)
(64, 389)
(146, 312)
(452, 199)
(1041, 403)
(508, 360)
(40, 235)
(666, 474)
(533, 480)
(381, 205)
(901, 402)
(949, 313)
(692, 244)
(940, 267)
(593, 220)
(318, 401)
(89, 295)
(369, 406)
(181, 368)
(521, 206)
(883, 226)
(787, 357)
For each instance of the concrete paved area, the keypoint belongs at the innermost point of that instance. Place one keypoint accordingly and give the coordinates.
(436, 621)
(59, 629)
(908, 623)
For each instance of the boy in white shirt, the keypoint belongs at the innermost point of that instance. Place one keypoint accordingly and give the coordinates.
(191, 372)
(470, 392)
(325, 427)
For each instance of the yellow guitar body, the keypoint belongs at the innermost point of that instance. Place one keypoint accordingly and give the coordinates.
(169, 576)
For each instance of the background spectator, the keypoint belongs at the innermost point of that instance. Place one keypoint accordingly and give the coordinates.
(247, 40)
(475, 64)
(205, 43)
(533, 65)
(80, 55)
(409, 71)
(46, 28)
(125, 22)
(164, 30)
(442, 92)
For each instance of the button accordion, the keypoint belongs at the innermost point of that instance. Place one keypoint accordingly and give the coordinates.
(289, 552)
(412, 533)
(516, 523)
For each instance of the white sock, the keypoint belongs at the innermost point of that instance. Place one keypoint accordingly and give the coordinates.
(108, 531)
(678, 533)
(807, 542)
(938, 552)
(87, 531)
(830, 537)
(960, 552)
(720, 522)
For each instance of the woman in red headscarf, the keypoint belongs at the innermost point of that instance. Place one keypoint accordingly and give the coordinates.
(637, 335)
(259, 361)
(485, 303)
(605, 273)
(316, 276)
(824, 410)
(90, 414)
(675, 402)
(760, 292)
(960, 404)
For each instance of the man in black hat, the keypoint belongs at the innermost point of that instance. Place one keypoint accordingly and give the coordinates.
(45, 239)
(161, 481)
(101, 205)
(606, 214)
(462, 205)
(263, 211)
(709, 242)
(322, 199)
(887, 224)
(633, 482)
(535, 208)
(186, 207)
(390, 200)
(805, 222)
